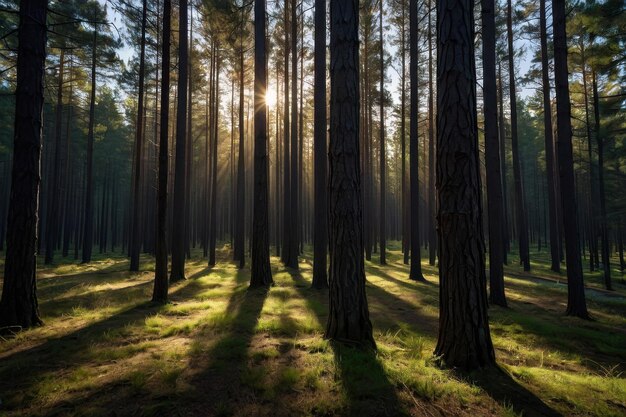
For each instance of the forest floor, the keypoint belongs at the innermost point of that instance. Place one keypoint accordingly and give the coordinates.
(221, 349)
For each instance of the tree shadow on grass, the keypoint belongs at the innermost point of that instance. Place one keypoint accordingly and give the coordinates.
(500, 386)
(366, 384)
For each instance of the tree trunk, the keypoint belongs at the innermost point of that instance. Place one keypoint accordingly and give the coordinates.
(432, 230)
(502, 134)
(492, 155)
(604, 234)
(88, 221)
(348, 319)
(135, 245)
(576, 303)
(294, 209)
(320, 234)
(213, 220)
(286, 254)
(18, 306)
(240, 210)
(179, 210)
(416, 258)
(261, 275)
(520, 205)
(160, 279)
(54, 180)
(464, 340)
(383, 165)
(549, 142)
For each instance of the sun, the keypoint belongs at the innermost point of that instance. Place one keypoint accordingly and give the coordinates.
(270, 98)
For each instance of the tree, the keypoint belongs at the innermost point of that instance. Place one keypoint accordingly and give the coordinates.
(549, 142)
(261, 271)
(160, 278)
(576, 303)
(520, 208)
(178, 228)
(294, 234)
(416, 258)
(383, 162)
(135, 244)
(320, 219)
(18, 305)
(464, 340)
(348, 319)
(492, 156)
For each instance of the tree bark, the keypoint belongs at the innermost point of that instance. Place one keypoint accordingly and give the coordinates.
(520, 201)
(179, 210)
(492, 155)
(135, 246)
(348, 319)
(464, 340)
(320, 216)
(294, 225)
(383, 164)
(416, 258)
(576, 303)
(18, 305)
(261, 272)
(549, 142)
(432, 202)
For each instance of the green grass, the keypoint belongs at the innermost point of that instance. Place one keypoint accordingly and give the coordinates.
(221, 349)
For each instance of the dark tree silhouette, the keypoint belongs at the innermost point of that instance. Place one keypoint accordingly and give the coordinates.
(416, 258)
(179, 215)
(464, 340)
(261, 271)
(160, 277)
(135, 243)
(576, 303)
(348, 319)
(18, 306)
(320, 216)
(492, 155)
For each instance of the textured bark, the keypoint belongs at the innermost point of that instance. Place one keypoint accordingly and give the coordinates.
(88, 220)
(549, 142)
(179, 210)
(18, 306)
(576, 303)
(261, 271)
(520, 201)
(464, 340)
(416, 258)
(135, 244)
(404, 200)
(502, 134)
(159, 293)
(348, 319)
(320, 215)
(492, 155)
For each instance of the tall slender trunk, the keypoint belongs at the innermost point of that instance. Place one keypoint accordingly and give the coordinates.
(189, 143)
(432, 202)
(383, 163)
(52, 219)
(576, 303)
(179, 209)
(404, 199)
(286, 254)
(492, 155)
(505, 199)
(240, 210)
(294, 235)
(549, 142)
(320, 229)
(416, 258)
(135, 246)
(215, 106)
(520, 201)
(604, 234)
(261, 273)
(88, 220)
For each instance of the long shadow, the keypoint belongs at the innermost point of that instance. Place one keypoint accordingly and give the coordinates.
(23, 369)
(367, 387)
(222, 364)
(500, 386)
(497, 383)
